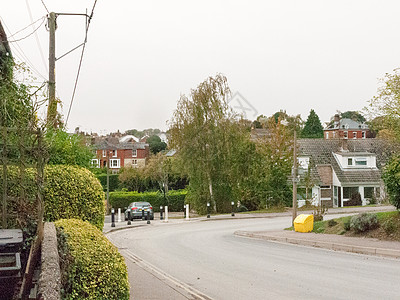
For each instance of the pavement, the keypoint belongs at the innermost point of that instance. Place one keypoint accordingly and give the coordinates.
(139, 274)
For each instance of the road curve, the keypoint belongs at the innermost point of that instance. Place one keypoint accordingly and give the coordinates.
(208, 258)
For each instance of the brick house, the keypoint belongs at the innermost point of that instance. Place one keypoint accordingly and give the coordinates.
(121, 155)
(347, 129)
(338, 168)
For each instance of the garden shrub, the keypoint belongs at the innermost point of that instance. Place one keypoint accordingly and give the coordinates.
(332, 222)
(174, 199)
(389, 226)
(364, 222)
(92, 267)
(346, 225)
(69, 192)
(113, 181)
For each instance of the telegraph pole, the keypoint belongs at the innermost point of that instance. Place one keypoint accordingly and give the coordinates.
(294, 179)
(52, 108)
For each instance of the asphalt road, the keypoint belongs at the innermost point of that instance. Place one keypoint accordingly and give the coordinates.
(207, 257)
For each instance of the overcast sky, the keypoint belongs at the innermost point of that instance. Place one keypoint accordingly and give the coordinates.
(279, 55)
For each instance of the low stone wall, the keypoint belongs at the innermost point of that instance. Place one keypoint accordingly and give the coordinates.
(50, 275)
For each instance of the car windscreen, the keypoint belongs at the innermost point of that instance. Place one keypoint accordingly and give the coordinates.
(143, 204)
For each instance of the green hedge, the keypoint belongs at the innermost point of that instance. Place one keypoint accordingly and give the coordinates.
(113, 181)
(174, 199)
(73, 192)
(69, 192)
(92, 267)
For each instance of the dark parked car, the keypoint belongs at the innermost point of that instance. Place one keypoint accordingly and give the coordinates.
(136, 209)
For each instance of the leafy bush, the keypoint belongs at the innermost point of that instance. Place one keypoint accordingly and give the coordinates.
(389, 226)
(364, 222)
(332, 223)
(69, 192)
(174, 199)
(391, 177)
(92, 267)
(346, 225)
(113, 181)
(73, 192)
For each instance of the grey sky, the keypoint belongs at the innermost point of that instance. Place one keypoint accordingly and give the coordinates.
(281, 54)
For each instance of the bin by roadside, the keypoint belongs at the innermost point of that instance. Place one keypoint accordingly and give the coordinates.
(304, 223)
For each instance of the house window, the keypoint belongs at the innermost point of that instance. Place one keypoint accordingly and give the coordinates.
(362, 161)
(327, 135)
(350, 161)
(96, 163)
(134, 162)
(368, 192)
(134, 152)
(345, 134)
(363, 134)
(348, 191)
(104, 153)
(114, 153)
(334, 134)
(114, 163)
(354, 135)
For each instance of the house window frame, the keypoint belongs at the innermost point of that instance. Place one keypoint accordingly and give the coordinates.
(363, 134)
(345, 134)
(117, 162)
(134, 152)
(354, 134)
(95, 162)
(350, 161)
(134, 162)
(104, 153)
(327, 136)
(361, 161)
(114, 153)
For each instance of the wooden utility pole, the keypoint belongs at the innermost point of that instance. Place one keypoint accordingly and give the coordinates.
(294, 177)
(52, 108)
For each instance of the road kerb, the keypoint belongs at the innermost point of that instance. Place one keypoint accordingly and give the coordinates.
(393, 253)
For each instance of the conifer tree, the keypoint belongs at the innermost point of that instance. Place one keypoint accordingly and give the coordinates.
(313, 128)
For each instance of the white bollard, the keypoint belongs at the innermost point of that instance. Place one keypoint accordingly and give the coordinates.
(119, 215)
(166, 214)
(187, 211)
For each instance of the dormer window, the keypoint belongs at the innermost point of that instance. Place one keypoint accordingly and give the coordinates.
(345, 134)
(350, 161)
(361, 161)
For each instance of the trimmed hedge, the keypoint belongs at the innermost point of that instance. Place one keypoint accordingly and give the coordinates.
(92, 267)
(73, 192)
(113, 181)
(174, 199)
(69, 192)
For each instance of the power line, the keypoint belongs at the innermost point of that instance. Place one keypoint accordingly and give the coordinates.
(80, 63)
(22, 56)
(43, 19)
(36, 37)
(45, 6)
(26, 27)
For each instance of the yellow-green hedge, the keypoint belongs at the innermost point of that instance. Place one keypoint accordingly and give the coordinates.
(69, 192)
(73, 192)
(92, 267)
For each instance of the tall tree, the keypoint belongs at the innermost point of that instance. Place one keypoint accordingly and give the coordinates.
(204, 131)
(385, 106)
(155, 144)
(353, 115)
(312, 128)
